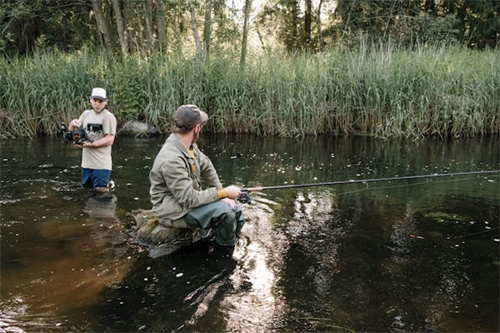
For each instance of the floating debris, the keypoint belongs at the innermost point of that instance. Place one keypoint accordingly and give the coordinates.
(442, 217)
(414, 236)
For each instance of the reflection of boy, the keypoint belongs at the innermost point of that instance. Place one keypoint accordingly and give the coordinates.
(100, 127)
(102, 205)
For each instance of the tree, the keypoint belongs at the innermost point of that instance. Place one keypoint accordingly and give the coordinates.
(207, 28)
(244, 43)
(290, 31)
(148, 13)
(307, 24)
(196, 35)
(295, 25)
(122, 32)
(320, 32)
(162, 27)
(26, 25)
(102, 24)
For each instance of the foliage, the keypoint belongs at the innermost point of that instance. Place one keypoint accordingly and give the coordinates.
(38, 24)
(472, 23)
(291, 25)
(377, 89)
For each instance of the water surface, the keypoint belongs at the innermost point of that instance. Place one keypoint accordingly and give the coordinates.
(409, 255)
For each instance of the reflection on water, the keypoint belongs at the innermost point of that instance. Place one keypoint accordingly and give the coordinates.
(101, 205)
(260, 305)
(417, 255)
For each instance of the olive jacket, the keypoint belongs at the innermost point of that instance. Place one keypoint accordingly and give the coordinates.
(176, 180)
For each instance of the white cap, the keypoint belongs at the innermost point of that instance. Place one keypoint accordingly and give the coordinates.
(99, 93)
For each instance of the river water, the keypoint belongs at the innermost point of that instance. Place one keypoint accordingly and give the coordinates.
(398, 256)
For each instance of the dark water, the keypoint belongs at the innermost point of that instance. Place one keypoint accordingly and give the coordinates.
(411, 255)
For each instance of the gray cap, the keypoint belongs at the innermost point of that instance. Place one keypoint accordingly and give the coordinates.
(99, 93)
(187, 117)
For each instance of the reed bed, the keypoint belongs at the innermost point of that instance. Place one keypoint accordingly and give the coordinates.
(430, 91)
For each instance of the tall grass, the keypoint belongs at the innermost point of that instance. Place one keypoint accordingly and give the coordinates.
(430, 91)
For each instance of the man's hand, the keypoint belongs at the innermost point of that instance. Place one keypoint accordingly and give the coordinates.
(232, 192)
(74, 123)
(230, 202)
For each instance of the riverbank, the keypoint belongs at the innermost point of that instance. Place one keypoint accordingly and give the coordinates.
(430, 91)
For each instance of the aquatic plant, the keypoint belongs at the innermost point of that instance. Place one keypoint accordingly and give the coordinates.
(442, 217)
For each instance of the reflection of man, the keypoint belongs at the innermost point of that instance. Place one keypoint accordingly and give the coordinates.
(100, 128)
(176, 192)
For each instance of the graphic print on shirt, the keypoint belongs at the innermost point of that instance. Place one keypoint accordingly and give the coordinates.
(94, 131)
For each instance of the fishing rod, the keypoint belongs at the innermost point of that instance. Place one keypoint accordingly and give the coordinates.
(244, 197)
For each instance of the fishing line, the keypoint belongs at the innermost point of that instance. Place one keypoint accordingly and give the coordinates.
(383, 187)
(479, 232)
(367, 188)
(408, 185)
(354, 181)
(245, 192)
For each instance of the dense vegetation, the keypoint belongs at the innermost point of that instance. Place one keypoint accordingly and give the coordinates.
(441, 91)
(180, 26)
(407, 68)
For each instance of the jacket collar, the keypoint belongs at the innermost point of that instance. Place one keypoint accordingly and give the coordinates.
(178, 144)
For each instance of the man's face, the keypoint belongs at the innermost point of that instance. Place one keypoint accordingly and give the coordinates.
(196, 134)
(98, 105)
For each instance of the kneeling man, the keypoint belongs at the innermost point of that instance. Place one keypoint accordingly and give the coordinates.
(176, 193)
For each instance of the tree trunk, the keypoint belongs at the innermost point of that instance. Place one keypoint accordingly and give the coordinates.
(430, 7)
(196, 35)
(149, 25)
(162, 27)
(127, 24)
(292, 40)
(244, 43)
(307, 24)
(320, 33)
(102, 24)
(207, 28)
(180, 29)
(122, 33)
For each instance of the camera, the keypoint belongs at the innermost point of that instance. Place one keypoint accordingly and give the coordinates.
(77, 136)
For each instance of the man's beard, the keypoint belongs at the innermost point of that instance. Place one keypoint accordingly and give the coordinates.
(196, 136)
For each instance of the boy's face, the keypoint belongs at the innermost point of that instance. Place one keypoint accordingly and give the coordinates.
(98, 105)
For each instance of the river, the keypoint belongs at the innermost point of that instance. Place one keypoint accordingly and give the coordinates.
(395, 256)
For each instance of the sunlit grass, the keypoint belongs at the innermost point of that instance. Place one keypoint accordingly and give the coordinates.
(433, 91)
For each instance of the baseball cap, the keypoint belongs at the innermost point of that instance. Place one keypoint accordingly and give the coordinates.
(98, 93)
(188, 116)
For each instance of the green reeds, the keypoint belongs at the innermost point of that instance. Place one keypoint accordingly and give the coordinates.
(430, 91)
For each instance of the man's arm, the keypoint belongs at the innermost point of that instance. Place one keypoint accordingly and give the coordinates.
(177, 180)
(107, 140)
(208, 172)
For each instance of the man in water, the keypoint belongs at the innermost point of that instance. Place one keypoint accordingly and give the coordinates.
(100, 128)
(176, 193)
